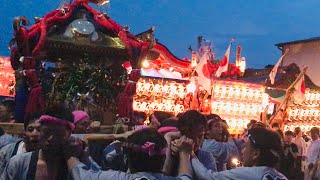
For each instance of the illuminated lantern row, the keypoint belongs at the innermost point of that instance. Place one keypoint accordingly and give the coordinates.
(239, 91)
(7, 77)
(237, 124)
(151, 106)
(162, 88)
(237, 103)
(303, 114)
(161, 95)
(312, 97)
(303, 126)
(236, 108)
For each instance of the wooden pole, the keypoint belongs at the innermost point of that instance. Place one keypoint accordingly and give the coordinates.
(289, 92)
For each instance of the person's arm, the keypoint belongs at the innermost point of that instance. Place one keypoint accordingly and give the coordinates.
(185, 146)
(221, 150)
(185, 168)
(169, 162)
(104, 137)
(200, 171)
(80, 171)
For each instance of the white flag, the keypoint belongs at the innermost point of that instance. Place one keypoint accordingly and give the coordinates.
(274, 70)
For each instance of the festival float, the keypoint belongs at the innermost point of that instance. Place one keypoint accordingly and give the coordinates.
(173, 85)
(93, 57)
(294, 98)
(74, 54)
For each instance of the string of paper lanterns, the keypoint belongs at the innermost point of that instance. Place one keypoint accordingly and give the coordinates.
(238, 103)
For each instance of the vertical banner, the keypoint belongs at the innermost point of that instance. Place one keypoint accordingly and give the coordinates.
(238, 55)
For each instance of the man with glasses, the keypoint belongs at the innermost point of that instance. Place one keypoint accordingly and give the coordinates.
(30, 142)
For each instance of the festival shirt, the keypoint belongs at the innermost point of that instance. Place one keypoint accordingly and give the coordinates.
(7, 152)
(244, 173)
(313, 153)
(80, 172)
(302, 145)
(6, 139)
(207, 159)
(221, 151)
(21, 167)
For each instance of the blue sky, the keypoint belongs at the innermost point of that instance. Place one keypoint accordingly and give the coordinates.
(256, 24)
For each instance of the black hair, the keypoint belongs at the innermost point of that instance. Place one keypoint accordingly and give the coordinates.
(314, 130)
(161, 115)
(136, 115)
(275, 125)
(213, 118)
(170, 122)
(141, 161)
(189, 120)
(251, 123)
(9, 104)
(31, 119)
(289, 133)
(60, 111)
(279, 131)
(270, 146)
(297, 130)
(258, 124)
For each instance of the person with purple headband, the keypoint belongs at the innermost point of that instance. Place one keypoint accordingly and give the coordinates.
(48, 162)
(146, 151)
(30, 142)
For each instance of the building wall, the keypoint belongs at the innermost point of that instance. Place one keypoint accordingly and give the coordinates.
(307, 53)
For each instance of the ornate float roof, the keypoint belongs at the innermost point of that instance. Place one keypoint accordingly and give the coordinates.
(73, 30)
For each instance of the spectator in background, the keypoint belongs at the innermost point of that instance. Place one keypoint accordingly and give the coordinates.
(302, 149)
(289, 164)
(157, 117)
(275, 126)
(138, 118)
(5, 139)
(7, 111)
(313, 153)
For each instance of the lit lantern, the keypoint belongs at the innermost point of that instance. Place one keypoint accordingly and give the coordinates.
(193, 60)
(146, 64)
(191, 87)
(243, 64)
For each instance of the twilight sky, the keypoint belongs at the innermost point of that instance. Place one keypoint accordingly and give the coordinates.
(256, 25)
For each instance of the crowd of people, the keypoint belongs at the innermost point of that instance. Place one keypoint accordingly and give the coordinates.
(188, 146)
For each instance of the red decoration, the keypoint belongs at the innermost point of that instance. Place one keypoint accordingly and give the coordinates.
(7, 78)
